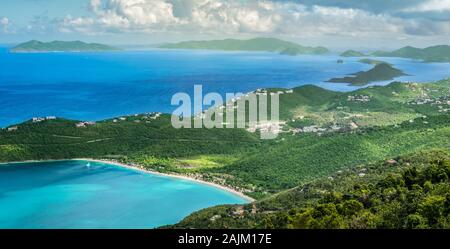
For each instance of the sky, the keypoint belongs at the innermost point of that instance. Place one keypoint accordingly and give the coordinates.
(331, 23)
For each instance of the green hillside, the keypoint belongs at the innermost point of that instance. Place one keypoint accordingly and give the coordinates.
(61, 46)
(345, 129)
(381, 72)
(352, 53)
(405, 192)
(256, 44)
(440, 53)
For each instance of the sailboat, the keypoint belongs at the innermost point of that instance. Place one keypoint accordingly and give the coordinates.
(88, 165)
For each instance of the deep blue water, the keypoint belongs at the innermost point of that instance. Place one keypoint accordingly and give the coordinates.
(95, 86)
(71, 195)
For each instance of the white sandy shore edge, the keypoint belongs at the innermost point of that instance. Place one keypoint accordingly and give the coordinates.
(114, 163)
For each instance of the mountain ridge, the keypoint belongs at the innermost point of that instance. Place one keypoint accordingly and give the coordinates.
(254, 44)
(438, 53)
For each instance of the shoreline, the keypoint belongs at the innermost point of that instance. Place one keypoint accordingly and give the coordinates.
(130, 167)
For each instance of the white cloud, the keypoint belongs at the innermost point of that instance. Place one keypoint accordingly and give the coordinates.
(242, 17)
(430, 5)
(4, 22)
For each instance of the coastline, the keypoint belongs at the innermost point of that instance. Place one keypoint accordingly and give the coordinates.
(119, 164)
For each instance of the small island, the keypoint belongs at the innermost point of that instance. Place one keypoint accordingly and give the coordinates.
(255, 44)
(440, 53)
(371, 61)
(352, 53)
(61, 46)
(380, 72)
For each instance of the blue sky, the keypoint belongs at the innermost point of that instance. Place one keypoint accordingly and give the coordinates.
(332, 23)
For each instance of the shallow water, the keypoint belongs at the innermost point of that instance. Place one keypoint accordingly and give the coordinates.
(69, 194)
(95, 86)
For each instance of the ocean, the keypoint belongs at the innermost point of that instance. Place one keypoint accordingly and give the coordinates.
(96, 86)
(71, 195)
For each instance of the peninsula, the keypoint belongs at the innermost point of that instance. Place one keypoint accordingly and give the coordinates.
(381, 72)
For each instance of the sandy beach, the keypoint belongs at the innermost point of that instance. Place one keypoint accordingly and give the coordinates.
(118, 164)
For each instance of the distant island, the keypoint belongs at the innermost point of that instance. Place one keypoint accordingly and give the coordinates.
(440, 53)
(61, 46)
(352, 53)
(256, 44)
(371, 61)
(380, 72)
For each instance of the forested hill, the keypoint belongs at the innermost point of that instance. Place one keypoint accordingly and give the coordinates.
(406, 192)
(440, 53)
(322, 132)
(380, 72)
(256, 44)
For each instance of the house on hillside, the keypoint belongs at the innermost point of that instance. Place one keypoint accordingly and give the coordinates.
(84, 124)
(37, 119)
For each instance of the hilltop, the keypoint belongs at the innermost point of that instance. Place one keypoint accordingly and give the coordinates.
(440, 53)
(381, 72)
(61, 46)
(256, 44)
(352, 53)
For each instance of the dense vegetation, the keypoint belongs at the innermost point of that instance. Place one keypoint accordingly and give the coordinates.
(58, 139)
(381, 72)
(256, 44)
(61, 46)
(439, 53)
(328, 145)
(406, 192)
(295, 160)
(345, 129)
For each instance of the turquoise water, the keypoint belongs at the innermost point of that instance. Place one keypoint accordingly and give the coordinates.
(95, 86)
(69, 194)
